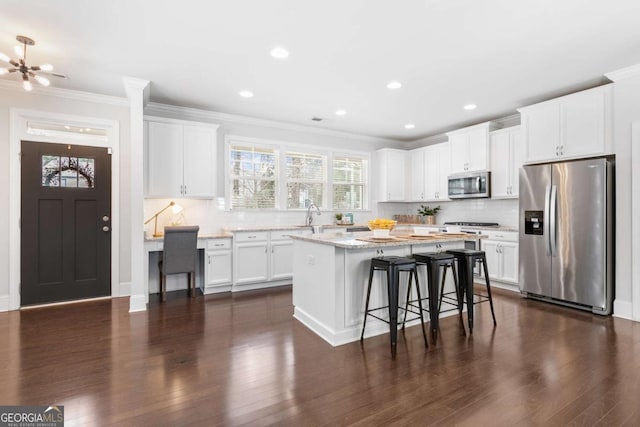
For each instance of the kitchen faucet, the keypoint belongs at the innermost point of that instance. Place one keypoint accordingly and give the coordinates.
(309, 221)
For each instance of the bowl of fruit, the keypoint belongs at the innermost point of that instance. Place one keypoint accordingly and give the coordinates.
(381, 227)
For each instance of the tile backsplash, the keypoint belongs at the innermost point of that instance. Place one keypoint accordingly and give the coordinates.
(504, 212)
(212, 217)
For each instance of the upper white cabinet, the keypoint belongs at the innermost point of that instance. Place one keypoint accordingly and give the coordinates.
(436, 161)
(418, 178)
(506, 160)
(392, 174)
(470, 148)
(180, 158)
(573, 126)
(429, 173)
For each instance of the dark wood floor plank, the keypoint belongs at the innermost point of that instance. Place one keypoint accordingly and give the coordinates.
(241, 359)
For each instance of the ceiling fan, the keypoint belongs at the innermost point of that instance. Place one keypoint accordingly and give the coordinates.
(20, 65)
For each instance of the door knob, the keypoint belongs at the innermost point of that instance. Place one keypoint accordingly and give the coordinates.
(105, 228)
(105, 218)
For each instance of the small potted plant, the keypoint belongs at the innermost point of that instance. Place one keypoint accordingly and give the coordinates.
(338, 218)
(429, 213)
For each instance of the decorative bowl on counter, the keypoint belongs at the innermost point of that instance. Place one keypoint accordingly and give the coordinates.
(423, 231)
(381, 227)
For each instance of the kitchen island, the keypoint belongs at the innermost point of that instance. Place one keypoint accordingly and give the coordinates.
(330, 275)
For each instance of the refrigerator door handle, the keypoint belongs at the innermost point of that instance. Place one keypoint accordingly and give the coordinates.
(553, 216)
(545, 223)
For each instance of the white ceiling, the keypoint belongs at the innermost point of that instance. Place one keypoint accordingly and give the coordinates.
(498, 54)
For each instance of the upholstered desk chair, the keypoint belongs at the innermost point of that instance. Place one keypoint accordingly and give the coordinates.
(180, 255)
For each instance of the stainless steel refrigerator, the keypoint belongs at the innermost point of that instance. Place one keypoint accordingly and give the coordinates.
(566, 233)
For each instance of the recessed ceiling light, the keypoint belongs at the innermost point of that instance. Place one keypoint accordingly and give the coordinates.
(67, 127)
(394, 85)
(279, 52)
(409, 126)
(340, 113)
(470, 107)
(246, 94)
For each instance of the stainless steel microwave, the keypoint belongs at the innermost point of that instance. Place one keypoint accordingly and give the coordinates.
(470, 185)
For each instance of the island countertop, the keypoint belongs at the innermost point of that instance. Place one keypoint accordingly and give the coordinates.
(364, 240)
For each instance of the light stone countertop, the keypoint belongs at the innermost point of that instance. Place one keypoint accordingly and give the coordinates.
(223, 235)
(466, 227)
(286, 227)
(350, 240)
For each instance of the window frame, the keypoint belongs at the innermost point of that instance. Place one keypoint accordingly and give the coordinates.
(282, 148)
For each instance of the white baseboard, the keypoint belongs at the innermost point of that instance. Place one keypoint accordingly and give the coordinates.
(261, 285)
(623, 309)
(137, 303)
(125, 289)
(216, 289)
(4, 302)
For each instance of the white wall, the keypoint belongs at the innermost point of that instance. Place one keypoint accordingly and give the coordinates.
(17, 98)
(626, 109)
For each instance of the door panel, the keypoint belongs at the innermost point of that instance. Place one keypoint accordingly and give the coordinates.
(65, 203)
(578, 264)
(535, 265)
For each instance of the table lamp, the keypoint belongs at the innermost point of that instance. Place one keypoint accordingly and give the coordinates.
(175, 208)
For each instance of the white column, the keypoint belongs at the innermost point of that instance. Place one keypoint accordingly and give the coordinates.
(136, 94)
(626, 110)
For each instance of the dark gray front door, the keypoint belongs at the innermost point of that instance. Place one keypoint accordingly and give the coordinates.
(65, 222)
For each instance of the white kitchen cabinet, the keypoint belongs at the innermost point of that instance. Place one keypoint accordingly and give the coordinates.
(218, 274)
(180, 158)
(506, 160)
(469, 148)
(436, 159)
(418, 177)
(263, 258)
(572, 126)
(501, 251)
(392, 174)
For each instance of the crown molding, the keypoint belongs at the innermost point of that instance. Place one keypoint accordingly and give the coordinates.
(133, 85)
(154, 108)
(57, 92)
(624, 73)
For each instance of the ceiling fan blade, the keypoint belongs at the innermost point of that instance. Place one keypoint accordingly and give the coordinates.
(62, 76)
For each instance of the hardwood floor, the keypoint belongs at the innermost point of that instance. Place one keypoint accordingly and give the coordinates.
(242, 359)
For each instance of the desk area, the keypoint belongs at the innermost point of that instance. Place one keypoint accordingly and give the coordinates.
(214, 265)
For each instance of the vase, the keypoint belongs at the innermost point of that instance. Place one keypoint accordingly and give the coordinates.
(430, 219)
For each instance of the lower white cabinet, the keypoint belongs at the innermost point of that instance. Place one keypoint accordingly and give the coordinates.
(501, 251)
(263, 258)
(218, 266)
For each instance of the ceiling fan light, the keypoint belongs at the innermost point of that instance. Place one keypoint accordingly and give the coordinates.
(26, 84)
(4, 57)
(42, 80)
(19, 51)
(3, 71)
(46, 67)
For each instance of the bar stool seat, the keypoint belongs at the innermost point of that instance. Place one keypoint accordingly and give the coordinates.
(393, 265)
(467, 258)
(436, 262)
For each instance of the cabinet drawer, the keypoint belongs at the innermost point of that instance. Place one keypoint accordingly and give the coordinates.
(258, 236)
(219, 244)
(506, 236)
(284, 234)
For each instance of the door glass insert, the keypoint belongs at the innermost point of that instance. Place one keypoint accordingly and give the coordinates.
(69, 172)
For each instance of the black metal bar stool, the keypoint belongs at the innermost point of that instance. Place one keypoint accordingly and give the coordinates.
(467, 258)
(393, 265)
(436, 262)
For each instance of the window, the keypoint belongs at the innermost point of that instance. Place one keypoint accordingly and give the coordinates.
(349, 182)
(265, 174)
(306, 179)
(253, 176)
(73, 172)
